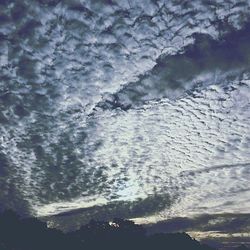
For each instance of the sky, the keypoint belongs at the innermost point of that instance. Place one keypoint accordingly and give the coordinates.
(123, 108)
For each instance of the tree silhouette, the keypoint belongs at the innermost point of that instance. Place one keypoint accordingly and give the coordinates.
(32, 234)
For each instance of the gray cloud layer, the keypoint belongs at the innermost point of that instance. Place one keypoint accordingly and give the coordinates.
(120, 102)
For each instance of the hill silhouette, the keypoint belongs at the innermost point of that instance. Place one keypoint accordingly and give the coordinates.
(32, 234)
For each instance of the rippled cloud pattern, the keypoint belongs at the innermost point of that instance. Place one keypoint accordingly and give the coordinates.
(118, 102)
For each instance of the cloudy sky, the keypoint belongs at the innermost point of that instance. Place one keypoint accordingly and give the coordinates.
(139, 109)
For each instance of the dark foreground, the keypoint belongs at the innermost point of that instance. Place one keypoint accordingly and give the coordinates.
(32, 234)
